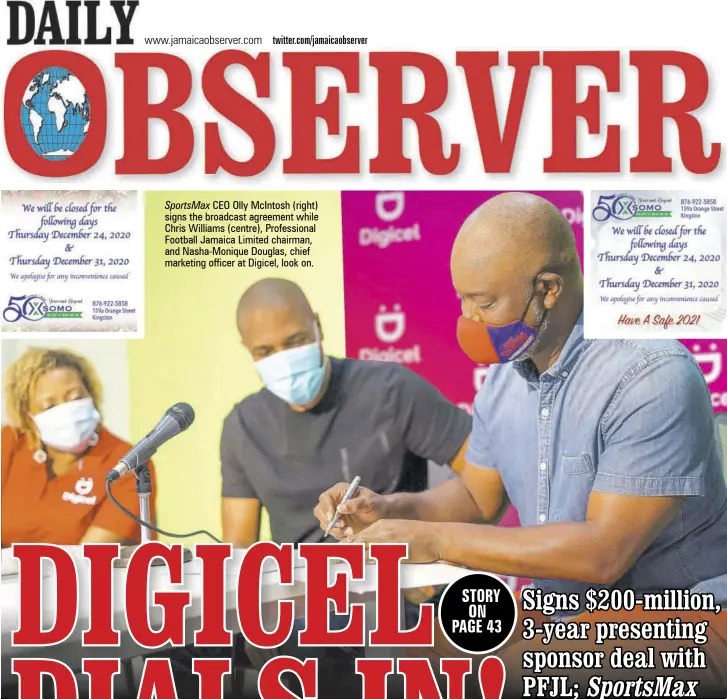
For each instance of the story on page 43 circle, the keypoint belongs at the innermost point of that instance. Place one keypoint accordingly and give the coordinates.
(72, 262)
(399, 299)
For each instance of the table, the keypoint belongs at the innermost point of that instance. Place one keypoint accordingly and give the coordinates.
(71, 651)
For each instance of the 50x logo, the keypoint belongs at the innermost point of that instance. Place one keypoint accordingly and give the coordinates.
(618, 206)
(26, 308)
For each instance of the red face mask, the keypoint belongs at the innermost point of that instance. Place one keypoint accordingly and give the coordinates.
(496, 344)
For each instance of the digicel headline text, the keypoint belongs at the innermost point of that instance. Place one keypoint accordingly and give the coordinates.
(157, 680)
(497, 139)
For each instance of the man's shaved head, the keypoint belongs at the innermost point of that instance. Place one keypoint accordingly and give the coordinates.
(521, 231)
(515, 257)
(272, 293)
(273, 315)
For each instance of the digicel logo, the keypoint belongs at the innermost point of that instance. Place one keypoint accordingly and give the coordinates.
(39, 150)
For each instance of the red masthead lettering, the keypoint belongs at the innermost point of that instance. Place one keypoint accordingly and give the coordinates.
(213, 631)
(211, 673)
(374, 672)
(101, 673)
(319, 593)
(420, 681)
(30, 673)
(270, 687)
(138, 113)
(393, 111)
(33, 603)
(497, 139)
(139, 606)
(497, 151)
(567, 110)
(20, 76)
(388, 602)
(249, 597)
(653, 110)
(157, 680)
(492, 678)
(303, 72)
(101, 560)
(243, 113)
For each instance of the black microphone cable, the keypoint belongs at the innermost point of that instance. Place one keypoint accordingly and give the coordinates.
(151, 526)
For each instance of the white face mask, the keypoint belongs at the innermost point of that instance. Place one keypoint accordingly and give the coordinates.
(70, 426)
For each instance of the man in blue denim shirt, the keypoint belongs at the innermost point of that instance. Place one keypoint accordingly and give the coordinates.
(606, 448)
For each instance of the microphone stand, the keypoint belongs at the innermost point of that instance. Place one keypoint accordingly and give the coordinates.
(143, 490)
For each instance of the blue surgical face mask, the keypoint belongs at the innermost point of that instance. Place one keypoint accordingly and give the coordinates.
(294, 375)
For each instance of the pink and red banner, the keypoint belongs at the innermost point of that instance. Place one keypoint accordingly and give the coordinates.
(399, 299)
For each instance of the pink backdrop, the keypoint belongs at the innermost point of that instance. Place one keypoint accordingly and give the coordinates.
(399, 300)
(400, 303)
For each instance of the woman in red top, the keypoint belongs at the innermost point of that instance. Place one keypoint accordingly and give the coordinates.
(56, 455)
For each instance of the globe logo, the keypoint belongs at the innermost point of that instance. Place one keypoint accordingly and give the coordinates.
(55, 113)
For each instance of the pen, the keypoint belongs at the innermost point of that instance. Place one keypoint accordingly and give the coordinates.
(349, 493)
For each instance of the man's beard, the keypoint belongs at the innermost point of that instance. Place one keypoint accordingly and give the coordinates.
(541, 323)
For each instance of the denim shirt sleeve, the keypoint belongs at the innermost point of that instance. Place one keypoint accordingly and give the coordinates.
(658, 431)
(478, 452)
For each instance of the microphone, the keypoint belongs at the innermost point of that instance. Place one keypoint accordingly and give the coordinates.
(177, 419)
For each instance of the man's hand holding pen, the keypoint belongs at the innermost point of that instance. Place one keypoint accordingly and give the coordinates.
(365, 518)
(363, 509)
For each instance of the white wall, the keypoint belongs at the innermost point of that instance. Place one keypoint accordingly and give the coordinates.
(109, 359)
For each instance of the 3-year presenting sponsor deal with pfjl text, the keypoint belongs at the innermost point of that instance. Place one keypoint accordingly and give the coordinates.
(72, 261)
(620, 645)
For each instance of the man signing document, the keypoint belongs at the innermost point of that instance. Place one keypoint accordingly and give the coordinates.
(606, 448)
